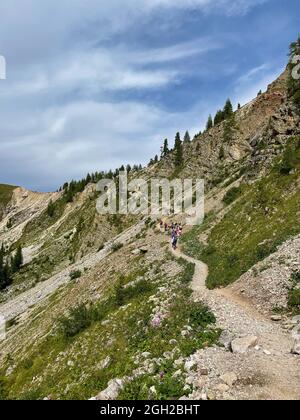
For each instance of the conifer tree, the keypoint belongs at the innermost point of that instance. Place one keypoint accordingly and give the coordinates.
(178, 151)
(165, 150)
(209, 123)
(187, 138)
(17, 260)
(219, 117)
(228, 109)
(51, 209)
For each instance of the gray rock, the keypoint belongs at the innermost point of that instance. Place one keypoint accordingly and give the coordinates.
(229, 378)
(112, 391)
(225, 339)
(136, 252)
(189, 365)
(222, 388)
(295, 320)
(242, 345)
(296, 347)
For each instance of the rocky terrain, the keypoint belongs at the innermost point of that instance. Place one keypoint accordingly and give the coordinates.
(102, 309)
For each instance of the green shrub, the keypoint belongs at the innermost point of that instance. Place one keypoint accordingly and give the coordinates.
(123, 295)
(76, 274)
(294, 298)
(295, 277)
(78, 320)
(263, 251)
(167, 388)
(232, 195)
(3, 389)
(288, 162)
(51, 209)
(200, 316)
(116, 246)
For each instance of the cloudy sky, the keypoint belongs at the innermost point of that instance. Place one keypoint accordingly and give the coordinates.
(92, 84)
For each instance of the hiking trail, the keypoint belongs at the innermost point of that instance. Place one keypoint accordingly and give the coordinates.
(273, 372)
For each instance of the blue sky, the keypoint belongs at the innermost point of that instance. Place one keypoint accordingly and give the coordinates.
(93, 84)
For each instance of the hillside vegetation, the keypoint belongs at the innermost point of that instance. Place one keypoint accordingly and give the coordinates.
(5, 196)
(262, 216)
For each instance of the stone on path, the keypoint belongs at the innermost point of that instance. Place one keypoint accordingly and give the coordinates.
(229, 378)
(242, 345)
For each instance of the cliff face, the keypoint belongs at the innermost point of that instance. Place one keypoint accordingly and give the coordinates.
(258, 132)
(101, 306)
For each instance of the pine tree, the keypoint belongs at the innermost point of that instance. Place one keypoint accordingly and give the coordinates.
(239, 106)
(17, 260)
(156, 159)
(187, 138)
(219, 117)
(209, 123)
(178, 151)
(165, 150)
(228, 109)
(51, 209)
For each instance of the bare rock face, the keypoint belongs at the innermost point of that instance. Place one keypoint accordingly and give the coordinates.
(242, 345)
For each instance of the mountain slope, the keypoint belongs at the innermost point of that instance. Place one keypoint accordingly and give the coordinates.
(102, 308)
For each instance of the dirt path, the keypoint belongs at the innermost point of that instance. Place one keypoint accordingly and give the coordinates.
(268, 372)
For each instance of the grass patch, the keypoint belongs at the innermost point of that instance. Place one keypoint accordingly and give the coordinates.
(232, 195)
(266, 215)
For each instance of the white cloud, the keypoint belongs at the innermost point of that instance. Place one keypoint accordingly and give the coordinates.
(59, 115)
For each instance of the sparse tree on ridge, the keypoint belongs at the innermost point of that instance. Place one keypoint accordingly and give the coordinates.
(165, 150)
(187, 138)
(219, 117)
(228, 109)
(209, 123)
(178, 151)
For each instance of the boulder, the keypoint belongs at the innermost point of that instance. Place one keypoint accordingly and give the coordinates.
(222, 388)
(242, 345)
(112, 391)
(229, 378)
(225, 339)
(136, 252)
(295, 320)
(296, 347)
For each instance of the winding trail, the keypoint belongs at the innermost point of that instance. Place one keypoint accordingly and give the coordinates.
(277, 371)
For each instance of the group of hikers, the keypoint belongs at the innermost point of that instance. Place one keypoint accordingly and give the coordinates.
(175, 230)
